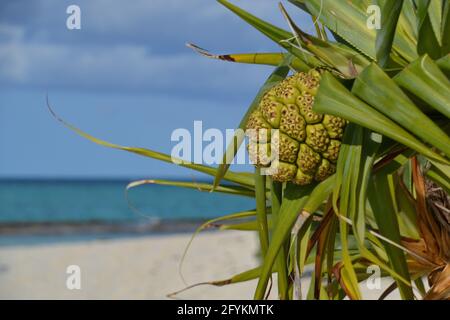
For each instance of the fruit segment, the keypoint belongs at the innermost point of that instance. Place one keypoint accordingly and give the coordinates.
(307, 143)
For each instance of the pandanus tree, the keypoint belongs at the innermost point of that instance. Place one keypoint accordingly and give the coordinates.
(364, 170)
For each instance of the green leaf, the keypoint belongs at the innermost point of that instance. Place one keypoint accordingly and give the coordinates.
(300, 236)
(348, 22)
(390, 100)
(294, 199)
(346, 19)
(424, 79)
(238, 278)
(446, 28)
(331, 246)
(283, 277)
(405, 38)
(353, 171)
(408, 19)
(439, 177)
(340, 57)
(348, 273)
(356, 159)
(405, 209)
(385, 216)
(202, 187)
(245, 226)
(390, 13)
(422, 11)
(344, 59)
(370, 146)
(207, 224)
(268, 29)
(261, 215)
(320, 193)
(428, 43)
(239, 178)
(245, 276)
(333, 98)
(278, 35)
(264, 58)
(277, 75)
(435, 14)
(398, 162)
(444, 64)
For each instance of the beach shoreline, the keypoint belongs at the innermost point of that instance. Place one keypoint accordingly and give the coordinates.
(97, 227)
(129, 268)
(144, 267)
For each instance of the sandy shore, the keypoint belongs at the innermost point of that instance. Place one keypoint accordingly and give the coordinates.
(132, 268)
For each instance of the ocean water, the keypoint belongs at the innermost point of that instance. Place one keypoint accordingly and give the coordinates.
(104, 201)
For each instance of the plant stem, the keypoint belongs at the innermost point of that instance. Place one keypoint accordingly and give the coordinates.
(283, 284)
(261, 214)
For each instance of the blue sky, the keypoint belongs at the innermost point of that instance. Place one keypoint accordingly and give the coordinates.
(125, 77)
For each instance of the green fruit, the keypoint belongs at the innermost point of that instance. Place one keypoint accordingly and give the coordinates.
(308, 143)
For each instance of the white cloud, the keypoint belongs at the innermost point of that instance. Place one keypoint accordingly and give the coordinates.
(123, 67)
(134, 46)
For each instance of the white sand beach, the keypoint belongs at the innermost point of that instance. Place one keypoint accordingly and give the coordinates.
(133, 268)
